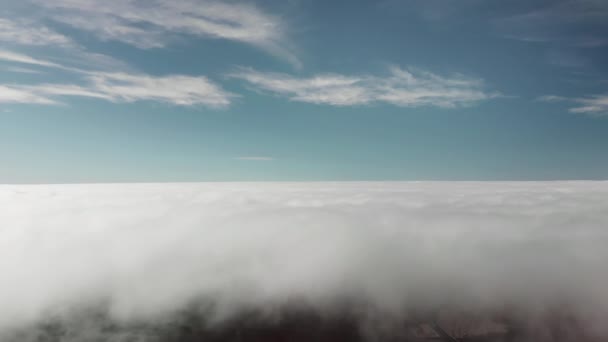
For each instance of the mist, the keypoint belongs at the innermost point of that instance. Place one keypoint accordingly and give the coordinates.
(125, 262)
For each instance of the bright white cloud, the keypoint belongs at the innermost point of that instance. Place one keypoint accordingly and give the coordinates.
(405, 88)
(145, 250)
(152, 24)
(27, 33)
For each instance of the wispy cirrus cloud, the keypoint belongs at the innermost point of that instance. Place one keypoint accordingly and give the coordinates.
(153, 24)
(9, 94)
(125, 88)
(25, 32)
(401, 87)
(20, 70)
(175, 89)
(15, 57)
(594, 105)
(179, 90)
(551, 98)
(577, 23)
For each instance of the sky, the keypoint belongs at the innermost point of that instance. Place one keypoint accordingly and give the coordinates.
(302, 90)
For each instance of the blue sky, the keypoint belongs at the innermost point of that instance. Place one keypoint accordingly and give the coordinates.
(197, 90)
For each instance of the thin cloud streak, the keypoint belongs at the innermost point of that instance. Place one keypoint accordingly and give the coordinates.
(125, 88)
(593, 105)
(10, 94)
(254, 158)
(10, 56)
(21, 70)
(403, 88)
(177, 90)
(560, 22)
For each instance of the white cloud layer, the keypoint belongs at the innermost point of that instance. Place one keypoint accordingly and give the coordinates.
(151, 24)
(404, 88)
(148, 250)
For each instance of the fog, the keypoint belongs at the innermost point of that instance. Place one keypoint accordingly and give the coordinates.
(143, 254)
